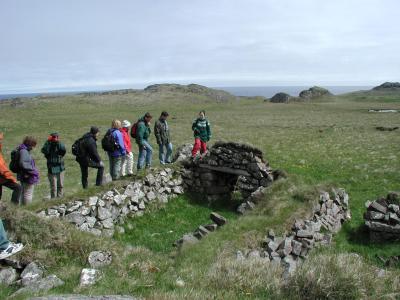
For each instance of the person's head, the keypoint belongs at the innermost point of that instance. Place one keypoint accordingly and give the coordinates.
(164, 115)
(147, 117)
(53, 137)
(126, 124)
(30, 142)
(202, 114)
(94, 131)
(116, 124)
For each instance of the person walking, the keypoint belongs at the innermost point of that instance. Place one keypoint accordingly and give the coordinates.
(54, 151)
(162, 133)
(202, 134)
(27, 173)
(88, 157)
(7, 248)
(7, 178)
(113, 144)
(142, 135)
(127, 160)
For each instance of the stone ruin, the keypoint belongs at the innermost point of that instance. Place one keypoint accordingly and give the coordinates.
(329, 214)
(383, 218)
(101, 215)
(228, 168)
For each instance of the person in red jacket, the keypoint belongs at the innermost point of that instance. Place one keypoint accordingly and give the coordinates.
(127, 160)
(7, 179)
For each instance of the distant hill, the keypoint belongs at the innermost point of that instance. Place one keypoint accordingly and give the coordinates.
(388, 86)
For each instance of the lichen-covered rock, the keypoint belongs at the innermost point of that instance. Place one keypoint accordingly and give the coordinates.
(98, 259)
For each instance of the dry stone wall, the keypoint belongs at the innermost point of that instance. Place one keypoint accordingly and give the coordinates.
(383, 218)
(226, 168)
(101, 214)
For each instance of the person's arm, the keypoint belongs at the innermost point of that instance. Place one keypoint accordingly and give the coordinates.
(45, 149)
(121, 143)
(208, 127)
(157, 132)
(25, 161)
(92, 151)
(194, 126)
(61, 149)
(140, 133)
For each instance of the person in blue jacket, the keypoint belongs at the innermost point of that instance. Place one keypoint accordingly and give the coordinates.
(119, 152)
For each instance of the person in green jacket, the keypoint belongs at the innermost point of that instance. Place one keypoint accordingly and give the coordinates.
(202, 134)
(142, 136)
(54, 151)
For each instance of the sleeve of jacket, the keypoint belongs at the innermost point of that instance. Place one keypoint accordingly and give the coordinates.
(208, 130)
(4, 171)
(140, 133)
(45, 149)
(61, 149)
(194, 125)
(25, 162)
(92, 151)
(121, 142)
(157, 132)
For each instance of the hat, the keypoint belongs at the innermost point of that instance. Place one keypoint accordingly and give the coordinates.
(126, 124)
(54, 134)
(94, 130)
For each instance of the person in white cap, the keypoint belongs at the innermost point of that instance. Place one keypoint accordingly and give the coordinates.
(127, 160)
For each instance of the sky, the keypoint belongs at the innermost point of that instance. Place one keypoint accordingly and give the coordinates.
(56, 45)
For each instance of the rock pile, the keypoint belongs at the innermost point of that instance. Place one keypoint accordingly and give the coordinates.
(281, 98)
(328, 215)
(100, 214)
(202, 230)
(227, 167)
(383, 218)
(314, 92)
(30, 277)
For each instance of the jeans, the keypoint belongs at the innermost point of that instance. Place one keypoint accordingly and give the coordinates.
(199, 145)
(27, 193)
(165, 158)
(145, 154)
(115, 166)
(56, 185)
(127, 164)
(3, 237)
(85, 173)
(17, 190)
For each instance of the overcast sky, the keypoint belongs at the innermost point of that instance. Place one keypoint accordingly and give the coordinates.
(87, 44)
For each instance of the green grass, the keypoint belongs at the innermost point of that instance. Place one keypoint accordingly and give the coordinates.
(160, 227)
(320, 144)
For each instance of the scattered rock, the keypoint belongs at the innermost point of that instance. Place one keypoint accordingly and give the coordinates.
(42, 285)
(98, 259)
(89, 277)
(8, 276)
(218, 219)
(314, 92)
(281, 98)
(31, 273)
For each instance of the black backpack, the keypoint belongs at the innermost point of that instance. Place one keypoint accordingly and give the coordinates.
(14, 163)
(108, 142)
(76, 148)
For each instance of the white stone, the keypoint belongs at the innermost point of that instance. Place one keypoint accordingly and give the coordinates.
(89, 277)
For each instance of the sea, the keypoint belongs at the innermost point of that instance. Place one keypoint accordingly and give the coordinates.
(248, 91)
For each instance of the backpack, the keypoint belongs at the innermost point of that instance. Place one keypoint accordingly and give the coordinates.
(109, 143)
(76, 147)
(14, 163)
(134, 130)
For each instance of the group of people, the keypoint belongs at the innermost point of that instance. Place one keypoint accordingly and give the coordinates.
(116, 142)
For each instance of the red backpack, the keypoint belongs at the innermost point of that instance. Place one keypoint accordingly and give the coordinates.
(134, 130)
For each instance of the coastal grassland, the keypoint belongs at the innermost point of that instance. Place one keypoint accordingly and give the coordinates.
(320, 144)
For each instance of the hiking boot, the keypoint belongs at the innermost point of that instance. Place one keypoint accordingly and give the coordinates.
(12, 249)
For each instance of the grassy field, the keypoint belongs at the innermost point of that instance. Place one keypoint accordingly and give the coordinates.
(323, 143)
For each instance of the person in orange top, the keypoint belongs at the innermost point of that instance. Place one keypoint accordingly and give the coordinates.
(7, 178)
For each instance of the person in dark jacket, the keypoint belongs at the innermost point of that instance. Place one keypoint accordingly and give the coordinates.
(7, 179)
(115, 157)
(89, 157)
(27, 174)
(202, 134)
(54, 152)
(161, 131)
(142, 136)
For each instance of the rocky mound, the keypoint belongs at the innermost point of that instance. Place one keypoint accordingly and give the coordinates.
(388, 86)
(314, 92)
(195, 89)
(281, 98)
